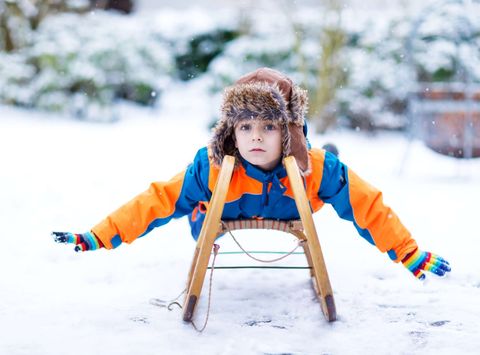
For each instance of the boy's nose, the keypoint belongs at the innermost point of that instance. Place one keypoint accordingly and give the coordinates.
(257, 138)
(257, 135)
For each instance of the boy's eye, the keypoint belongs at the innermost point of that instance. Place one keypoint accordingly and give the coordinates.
(270, 127)
(245, 127)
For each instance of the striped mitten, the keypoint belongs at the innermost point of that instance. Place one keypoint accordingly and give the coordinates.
(83, 241)
(418, 261)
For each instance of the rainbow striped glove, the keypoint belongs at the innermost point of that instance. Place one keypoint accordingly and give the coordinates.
(418, 261)
(83, 242)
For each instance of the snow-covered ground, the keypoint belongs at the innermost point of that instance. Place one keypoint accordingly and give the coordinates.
(61, 174)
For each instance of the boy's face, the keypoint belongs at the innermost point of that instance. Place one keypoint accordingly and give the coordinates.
(259, 142)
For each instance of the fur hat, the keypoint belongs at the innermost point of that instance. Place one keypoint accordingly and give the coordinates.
(269, 95)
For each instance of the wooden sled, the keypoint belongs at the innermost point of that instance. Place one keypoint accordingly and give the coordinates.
(303, 230)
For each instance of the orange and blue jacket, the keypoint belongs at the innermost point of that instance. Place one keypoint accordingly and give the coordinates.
(254, 193)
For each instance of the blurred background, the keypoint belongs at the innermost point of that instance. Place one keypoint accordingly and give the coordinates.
(370, 66)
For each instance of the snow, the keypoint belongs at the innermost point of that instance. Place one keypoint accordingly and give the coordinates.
(63, 174)
(194, 20)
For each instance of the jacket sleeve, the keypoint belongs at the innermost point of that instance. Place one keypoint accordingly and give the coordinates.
(157, 205)
(359, 202)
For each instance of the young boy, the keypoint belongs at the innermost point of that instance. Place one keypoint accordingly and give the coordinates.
(262, 121)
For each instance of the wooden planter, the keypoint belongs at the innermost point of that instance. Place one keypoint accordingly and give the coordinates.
(450, 121)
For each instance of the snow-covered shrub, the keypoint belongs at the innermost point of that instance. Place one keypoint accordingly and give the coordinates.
(379, 77)
(249, 53)
(200, 51)
(446, 46)
(15, 76)
(77, 63)
(288, 42)
(85, 61)
(19, 18)
(196, 37)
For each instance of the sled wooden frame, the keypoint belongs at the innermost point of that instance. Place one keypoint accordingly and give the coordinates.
(303, 229)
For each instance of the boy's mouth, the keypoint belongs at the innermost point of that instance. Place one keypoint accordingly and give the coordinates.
(257, 150)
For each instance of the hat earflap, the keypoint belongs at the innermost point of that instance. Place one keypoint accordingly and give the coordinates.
(298, 148)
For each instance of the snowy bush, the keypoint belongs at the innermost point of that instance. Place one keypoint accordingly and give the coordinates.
(15, 76)
(83, 62)
(200, 51)
(285, 41)
(379, 77)
(19, 18)
(247, 54)
(446, 45)
(195, 37)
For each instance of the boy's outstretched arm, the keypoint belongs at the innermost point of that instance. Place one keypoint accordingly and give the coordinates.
(359, 202)
(152, 208)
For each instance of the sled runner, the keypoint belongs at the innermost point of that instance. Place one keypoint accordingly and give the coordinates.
(303, 229)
